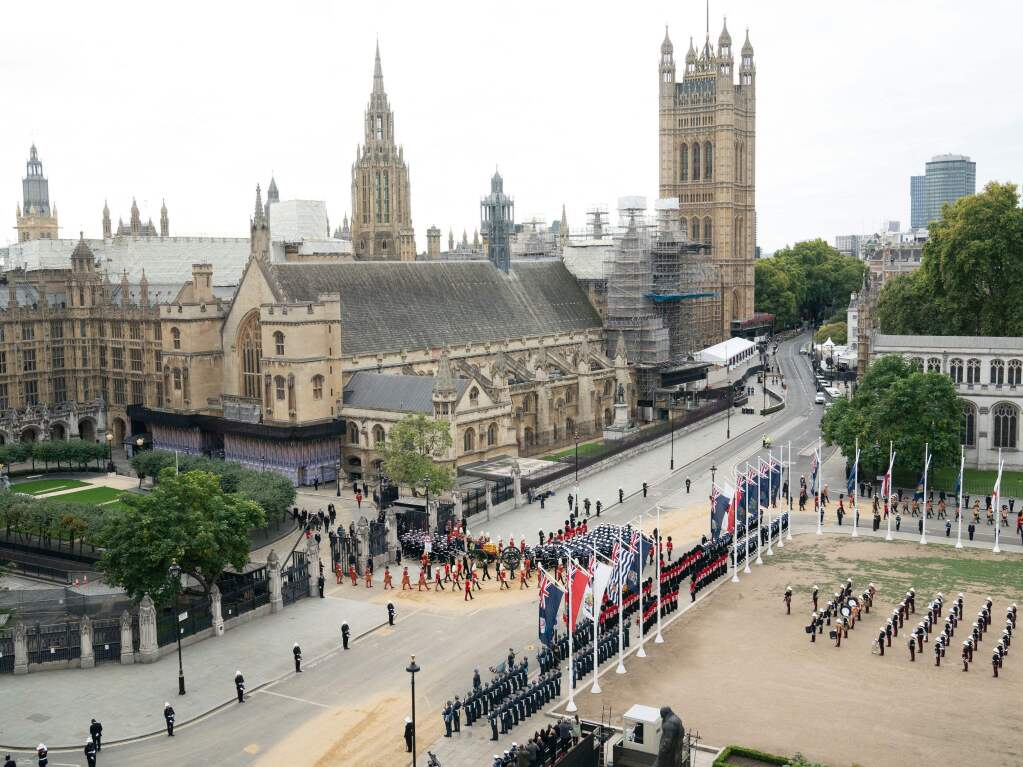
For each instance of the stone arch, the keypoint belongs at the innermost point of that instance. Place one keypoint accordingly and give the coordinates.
(1005, 425)
(29, 434)
(736, 305)
(250, 353)
(58, 431)
(120, 430)
(87, 429)
(379, 436)
(469, 440)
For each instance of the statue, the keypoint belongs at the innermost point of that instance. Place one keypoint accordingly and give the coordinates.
(620, 397)
(672, 734)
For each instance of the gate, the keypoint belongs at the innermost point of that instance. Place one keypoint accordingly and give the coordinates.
(106, 640)
(295, 580)
(377, 538)
(169, 624)
(349, 553)
(474, 500)
(6, 652)
(244, 593)
(60, 642)
(412, 520)
(445, 517)
(503, 489)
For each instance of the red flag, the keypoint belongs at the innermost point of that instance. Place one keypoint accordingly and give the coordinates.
(580, 580)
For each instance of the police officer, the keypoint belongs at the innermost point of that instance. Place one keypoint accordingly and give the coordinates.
(788, 600)
(644, 489)
(8, 762)
(446, 714)
(239, 686)
(43, 754)
(320, 583)
(168, 715)
(96, 733)
(297, 652)
(688, 483)
(390, 613)
(90, 754)
(345, 633)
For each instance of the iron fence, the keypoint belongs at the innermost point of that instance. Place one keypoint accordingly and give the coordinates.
(295, 580)
(6, 652)
(411, 520)
(106, 640)
(197, 618)
(377, 538)
(53, 643)
(445, 516)
(240, 594)
(474, 500)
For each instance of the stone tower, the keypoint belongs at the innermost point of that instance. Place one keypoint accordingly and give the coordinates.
(707, 159)
(433, 243)
(259, 230)
(381, 196)
(107, 232)
(497, 211)
(35, 220)
(164, 220)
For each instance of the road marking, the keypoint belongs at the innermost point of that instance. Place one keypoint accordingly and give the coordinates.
(292, 697)
(252, 748)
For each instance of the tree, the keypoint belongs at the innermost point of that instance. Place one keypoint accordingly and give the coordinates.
(412, 447)
(186, 518)
(971, 272)
(897, 403)
(149, 463)
(836, 331)
(272, 491)
(774, 292)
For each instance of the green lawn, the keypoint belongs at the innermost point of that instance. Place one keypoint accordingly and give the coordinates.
(37, 486)
(585, 448)
(93, 496)
(976, 482)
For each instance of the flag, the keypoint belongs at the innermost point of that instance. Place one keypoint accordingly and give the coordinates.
(622, 561)
(580, 581)
(814, 463)
(919, 494)
(720, 506)
(602, 572)
(765, 482)
(959, 479)
(850, 474)
(550, 600)
(996, 496)
(775, 479)
(886, 483)
(751, 488)
(733, 508)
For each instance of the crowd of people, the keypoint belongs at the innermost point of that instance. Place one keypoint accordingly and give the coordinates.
(844, 608)
(546, 746)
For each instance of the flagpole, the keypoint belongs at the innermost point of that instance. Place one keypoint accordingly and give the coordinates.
(640, 653)
(770, 498)
(657, 555)
(923, 511)
(571, 648)
(960, 509)
(788, 478)
(735, 531)
(888, 499)
(621, 616)
(820, 485)
(781, 475)
(998, 512)
(856, 489)
(595, 688)
(745, 527)
(760, 538)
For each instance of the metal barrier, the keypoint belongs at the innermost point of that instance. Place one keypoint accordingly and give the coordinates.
(445, 516)
(410, 520)
(295, 580)
(242, 593)
(106, 640)
(197, 618)
(6, 652)
(53, 643)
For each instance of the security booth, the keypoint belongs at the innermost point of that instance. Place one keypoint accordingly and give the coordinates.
(641, 737)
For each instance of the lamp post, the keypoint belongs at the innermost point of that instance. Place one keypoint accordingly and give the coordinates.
(174, 571)
(575, 436)
(671, 418)
(337, 471)
(728, 413)
(412, 668)
(110, 447)
(713, 471)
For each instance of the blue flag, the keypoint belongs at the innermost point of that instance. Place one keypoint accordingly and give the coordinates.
(919, 494)
(850, 478)
(550, 600)
(719, 512)
(775, 482)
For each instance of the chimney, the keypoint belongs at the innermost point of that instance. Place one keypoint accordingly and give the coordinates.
(202, 283)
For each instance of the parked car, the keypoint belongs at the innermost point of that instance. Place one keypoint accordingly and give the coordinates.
(819, 399)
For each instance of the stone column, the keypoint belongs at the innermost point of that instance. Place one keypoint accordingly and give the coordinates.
(88, 658)
(312, 550)
(149, 649)
(273, 566)
(391, 520)
(127, 641)
(216, 613)
(490, 500)
(517, 481)
(431, 514)
(362, 532)
(20, 649)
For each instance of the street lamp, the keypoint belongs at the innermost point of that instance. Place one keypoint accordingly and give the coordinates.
(337, 469)
(174, 571)
(671, 419)
(728, 413)
(412, 668)
(575, 436)
(713, 471)
(110, 446)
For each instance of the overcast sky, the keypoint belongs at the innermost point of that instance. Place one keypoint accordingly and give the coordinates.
(197, 102)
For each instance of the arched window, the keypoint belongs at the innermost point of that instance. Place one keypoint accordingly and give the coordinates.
(708, 161)
(707, 230)
(934, 365)
(279, 343)
(568, 396)
(176, 338)
(1015, 372)
(569, 427)
(379, 437)
(607, 388)
(968, 427)
(492, 434)
(684, 176)
(251, 350)
(917, 363)
(973, 371)
(997, 372)
(353, 434)
(694, 236)
(696, 161)
(527, 403)
(955, 370)
(1005, 419)
(469, 441)
(317, 387)
(177, 379)
(280, 387)
(474, 397)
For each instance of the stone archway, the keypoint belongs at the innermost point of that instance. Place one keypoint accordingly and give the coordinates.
(31, 434)
(87, 430)
(120, 430)
(58, 431)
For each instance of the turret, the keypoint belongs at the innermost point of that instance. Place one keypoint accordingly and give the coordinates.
(747, 70)
(136, 219)
(725, 59)
(444, 391)
(164, 220)
(667, 67)
(106, 221)
(433, 243)
(259, 238)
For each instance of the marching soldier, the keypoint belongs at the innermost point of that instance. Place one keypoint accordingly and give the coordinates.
(239, 686)
(468, 588)
(297, 652)
(387, 578)
(888, 632)
(880, 640)
(405, 582)
(502, 577)
(168, 715)
(994, 663)
(368, 577)
(788, 600)
(345, 633)
(937, 653)
(390, 613)
(422, 580)
(966, 655)
(812, 628)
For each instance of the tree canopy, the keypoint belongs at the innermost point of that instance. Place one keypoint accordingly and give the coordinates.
(836, 331)
(412, 447)
(186, 518)
(73, 452)
(897, 403)
(971, 272)
(808, 281)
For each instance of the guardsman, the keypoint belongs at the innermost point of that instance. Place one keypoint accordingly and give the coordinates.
(502, 577)
(387, 579)
(239, 686)
(346, 631)
(422, 580)
(353, 574)
(788, 600)
(475, 578)
(523, 578)
(321, 583)
(297, 652)
(390, 613)
(492, 718)
(438, 583)
(812, 628)
(369, 577)
(456, 714)
(888, 632)
(468, 589)
(405, 581)
(168, 716)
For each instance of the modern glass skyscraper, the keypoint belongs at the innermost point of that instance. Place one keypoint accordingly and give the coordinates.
(947, 178)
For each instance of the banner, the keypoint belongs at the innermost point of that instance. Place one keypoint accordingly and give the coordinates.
(776, 480)
(550, 600)
(580, 581)
(720, 505)
(765, 482)
(602, 572)
(814, 463)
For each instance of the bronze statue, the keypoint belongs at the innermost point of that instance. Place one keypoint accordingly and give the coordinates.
(672, 735)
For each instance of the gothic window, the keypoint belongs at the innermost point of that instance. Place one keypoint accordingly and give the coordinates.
(317, 387)
(378, 198)
(136, 392)
(973, 371)
(492, 434)
(568, 396)
(1015, 372)
(28, 360)
(28, 332)
(380, 128)
(31, 393)
(569, 427)
(685, 226)
(136, 331)
(469, 441)
(527, 403)
(933, 365)
(119, 391)
(474, 397)
(56, 329)
(696, 161)
(177, 379)
(694, 236)
(279, 343)
(707, 230)
(955, 370)
(379, 437)
(353, 434)
(3, 364)
(968, 426)
(251, 346)
(607, 388)
(708, 161)
(135, 355)
(1005, 419)
(176, 338)
(997, 372)
(280, 387)
(916, 364)
(684, 175)
(5, 401)
(387, 197)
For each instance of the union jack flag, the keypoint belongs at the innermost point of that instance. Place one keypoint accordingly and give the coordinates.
(550, 600)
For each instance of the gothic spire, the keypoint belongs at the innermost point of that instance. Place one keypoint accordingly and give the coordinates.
(259, 216)
(444, 378)
(378, 73)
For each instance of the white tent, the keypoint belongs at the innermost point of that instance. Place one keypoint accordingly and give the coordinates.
(730, 352)
(829, 344)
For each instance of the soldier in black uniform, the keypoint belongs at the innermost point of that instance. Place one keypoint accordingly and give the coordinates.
(994, 663)
(90, 754)
(297, 652)
(456, 714)
(345, 633)
(239, 686)
(476, 682)
(446, 714)
(813, 596)
(43, 754)
(390, 613)
(493, 725)
(168, 715)
(96, 733)
(880, 640)
(911, 644)
(788, 600)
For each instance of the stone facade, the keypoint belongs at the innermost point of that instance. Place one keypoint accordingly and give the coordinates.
(708, 161)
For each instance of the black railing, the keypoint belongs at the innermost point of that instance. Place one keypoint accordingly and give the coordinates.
(445, 516)
(106, 640)
(6, 652)
(377, 538)
(197, 618)
(410, 520)
(60, 642)
(295, 580)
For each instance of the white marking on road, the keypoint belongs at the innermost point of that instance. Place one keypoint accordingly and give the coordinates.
(292, 697)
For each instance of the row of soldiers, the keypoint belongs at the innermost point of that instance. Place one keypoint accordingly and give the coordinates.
(582, 663)
(529, 701)
(510, 679)
(707, 574)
